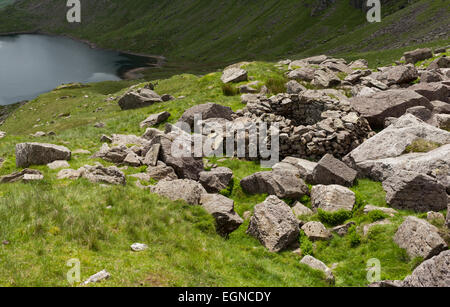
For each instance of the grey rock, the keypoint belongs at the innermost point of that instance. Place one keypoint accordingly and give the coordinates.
(332, 198)
(234, 74)
(412, 57)
(389, 211)
(132, 159)
(420, 112)
(102, 275)
(40, 154)
(222, 209)
(180, 189)
(69, 174)
(293, 87)
(206, 111)
(330, 170)
(155, 119)
(19, 176)
(58, 164)
(413, 191)
(318, 265)
(101, 174)
(161, 172)
(325, 79)
(274, 224)
(316, 231)
(138, 99)
(151, 158)
(368, 227)
(398, 75)
(302, 74)
(284, 184)
(443, 121)
(301, 210)
(391, 103)
(433, 91)
(434, 272)
(419, 238)
(435, 216)
(442, 62)
(138, 247)
(216, 180)
(342, 230)
(304, 167)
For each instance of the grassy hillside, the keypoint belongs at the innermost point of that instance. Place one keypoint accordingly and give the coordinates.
(50, 222)
(211, 33)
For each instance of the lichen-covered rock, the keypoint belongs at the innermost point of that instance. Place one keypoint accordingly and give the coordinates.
(419, 238)
(181, 189)
(332, 198)
(28, 154)
(330, 170)
(222, 209)
(274, 224)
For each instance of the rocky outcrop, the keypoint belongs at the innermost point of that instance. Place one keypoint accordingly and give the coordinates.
(392, 103)
(419, 238)
(222, 209)
(217, 179)
(181, 189)
(234, 75)
(134, 99)
(413, 191)
(332, 198)
(28, 154)
(274, 224)
(330, 170)
(283, 184)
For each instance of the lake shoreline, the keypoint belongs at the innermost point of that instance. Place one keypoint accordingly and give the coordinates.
(160, 60)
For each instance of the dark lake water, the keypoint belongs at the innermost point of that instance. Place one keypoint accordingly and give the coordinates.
(33, 64)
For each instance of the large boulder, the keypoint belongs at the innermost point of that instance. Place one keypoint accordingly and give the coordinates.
(302, 74)
(181, 189)
(217, 179)
(155, 119)
(413, 191)
(402, 74)
(234, 74)
(392, 103)
(393, 141)
(316, 231)
(325, 79)
(433, 91)
(419, 238)
(284, 184)
(138, 99)
(161, 172)
(434, 272)
(40, 154)
(332, 198)
(412, 57)
(304, 167)
(206, 111)
(442, 62)
(222, 209)
(330, 170)
(316, 264)
(274, 224)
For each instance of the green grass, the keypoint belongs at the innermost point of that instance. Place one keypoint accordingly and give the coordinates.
(49, 222)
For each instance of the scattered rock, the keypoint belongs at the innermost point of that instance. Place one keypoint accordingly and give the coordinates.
(151, 158)
(216, 180)
(316, 231)
(301, 210)
(69, 174)
(206, 111)
(392, 103)
(102, 275)
(138, 247)
(39, 154)
(342, 230)
(222, 209)
(318, 265)
(434, 272)
(105, 139)
(138, 99)
(180, 189)
(413, 191)
(412, 57)
(274, 224)
(293, 87)
(234, 74)
(133, 160)
(284, 184)
(58, 164)
(389, 211)
(155, 119)
(99, 125)
(330, 170)
(101, 174)
(419, 238)
(161, 172)
(402, 74)
(332, 198)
